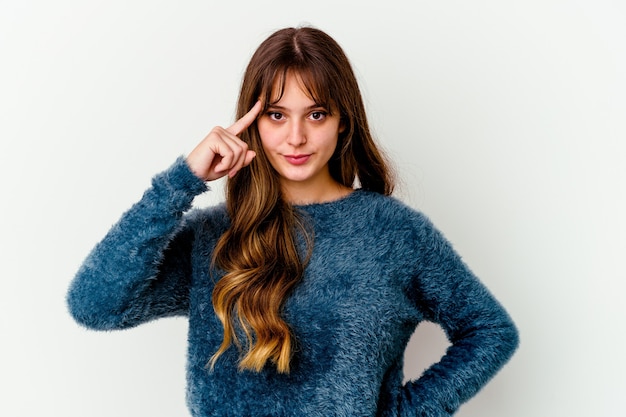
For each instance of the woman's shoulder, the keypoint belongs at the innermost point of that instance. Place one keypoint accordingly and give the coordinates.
(386, 208)
(369, 212)
(212, 220)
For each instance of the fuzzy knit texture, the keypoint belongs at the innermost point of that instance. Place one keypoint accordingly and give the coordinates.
(377, 270)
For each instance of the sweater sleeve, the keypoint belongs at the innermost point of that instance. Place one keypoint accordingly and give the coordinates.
(482, 335)
(141, 269)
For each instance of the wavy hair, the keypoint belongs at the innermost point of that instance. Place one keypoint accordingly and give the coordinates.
(259, 253)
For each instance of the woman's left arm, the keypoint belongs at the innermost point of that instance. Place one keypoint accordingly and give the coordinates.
(482, 335)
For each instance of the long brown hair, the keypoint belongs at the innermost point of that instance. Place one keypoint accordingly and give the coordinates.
(259, 252)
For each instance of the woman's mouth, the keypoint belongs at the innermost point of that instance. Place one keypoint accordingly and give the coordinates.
(297, 159)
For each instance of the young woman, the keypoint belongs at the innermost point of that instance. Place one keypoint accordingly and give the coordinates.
(303, 289)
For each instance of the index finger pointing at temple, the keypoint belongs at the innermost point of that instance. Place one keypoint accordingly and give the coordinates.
(247, 119)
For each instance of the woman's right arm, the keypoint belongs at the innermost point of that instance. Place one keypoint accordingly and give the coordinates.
(141, 269)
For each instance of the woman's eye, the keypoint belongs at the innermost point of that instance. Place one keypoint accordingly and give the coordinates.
(275, 115)
(318, 115)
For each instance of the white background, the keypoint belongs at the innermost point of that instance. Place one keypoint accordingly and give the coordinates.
(506, 120)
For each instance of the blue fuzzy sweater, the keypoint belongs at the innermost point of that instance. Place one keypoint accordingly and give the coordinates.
(377, 270)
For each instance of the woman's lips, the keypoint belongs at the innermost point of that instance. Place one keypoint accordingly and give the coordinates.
(297, 159)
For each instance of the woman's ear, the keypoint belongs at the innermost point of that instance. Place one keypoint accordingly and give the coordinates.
(342, 125)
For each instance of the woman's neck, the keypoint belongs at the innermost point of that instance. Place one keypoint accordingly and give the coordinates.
(300, 194)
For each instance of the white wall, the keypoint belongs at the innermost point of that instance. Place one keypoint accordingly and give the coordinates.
(506, 119)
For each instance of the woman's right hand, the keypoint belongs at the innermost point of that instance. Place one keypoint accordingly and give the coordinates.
(221, 152)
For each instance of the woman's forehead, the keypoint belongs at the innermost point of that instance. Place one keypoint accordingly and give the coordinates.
(303, 79)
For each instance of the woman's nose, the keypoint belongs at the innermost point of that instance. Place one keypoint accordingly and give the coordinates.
(297, 134)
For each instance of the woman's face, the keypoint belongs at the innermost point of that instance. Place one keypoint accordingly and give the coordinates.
(299, 137)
